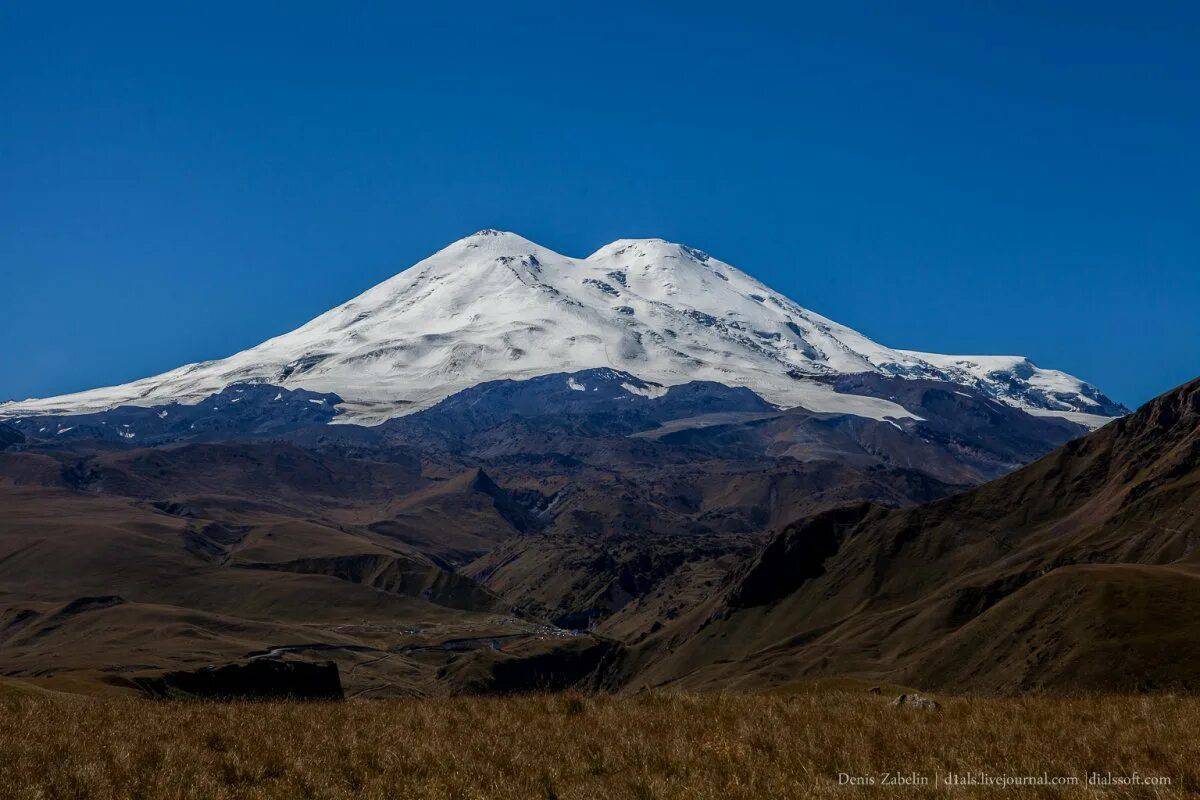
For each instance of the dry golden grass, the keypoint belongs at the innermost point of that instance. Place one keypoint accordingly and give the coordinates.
(572, 746)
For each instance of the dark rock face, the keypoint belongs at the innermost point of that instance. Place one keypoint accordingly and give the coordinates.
(796, 555)
(578, 663)
(262, 679)
(522, 516)
(240, 410)
(554, 671)
(10, 436)
(595, 401)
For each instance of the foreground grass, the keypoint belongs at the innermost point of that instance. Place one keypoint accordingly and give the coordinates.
(572, 746)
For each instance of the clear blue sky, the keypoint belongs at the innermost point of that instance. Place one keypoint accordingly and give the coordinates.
(973, 177)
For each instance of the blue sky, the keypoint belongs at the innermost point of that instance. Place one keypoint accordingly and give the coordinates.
(996, 177)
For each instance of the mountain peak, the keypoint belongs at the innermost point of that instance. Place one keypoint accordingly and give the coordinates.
(497, 306)
(491, 238)
(648, 249)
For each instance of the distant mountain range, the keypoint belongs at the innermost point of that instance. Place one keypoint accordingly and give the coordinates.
(495, 306)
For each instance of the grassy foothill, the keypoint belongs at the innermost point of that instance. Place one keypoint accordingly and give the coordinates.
(654, 745)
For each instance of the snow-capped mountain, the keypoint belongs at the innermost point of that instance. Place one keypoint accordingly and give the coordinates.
(497, 306)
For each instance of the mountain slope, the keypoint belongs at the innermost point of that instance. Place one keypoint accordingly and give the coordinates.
(588, 499)
(496, 306)
(1081, 570)
(961, 437)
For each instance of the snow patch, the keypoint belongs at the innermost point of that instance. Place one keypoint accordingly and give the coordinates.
(645, 391)
(1092, 421)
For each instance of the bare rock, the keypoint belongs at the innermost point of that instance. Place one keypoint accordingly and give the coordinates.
(263, 679)
(916, 701)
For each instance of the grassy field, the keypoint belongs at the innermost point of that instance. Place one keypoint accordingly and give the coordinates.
(781, 745)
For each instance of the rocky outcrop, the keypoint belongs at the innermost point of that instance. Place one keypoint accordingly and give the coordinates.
(261, 679)
(540, 666)
(917, 701)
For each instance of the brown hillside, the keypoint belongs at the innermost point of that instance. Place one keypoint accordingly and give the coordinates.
(1078, 571)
